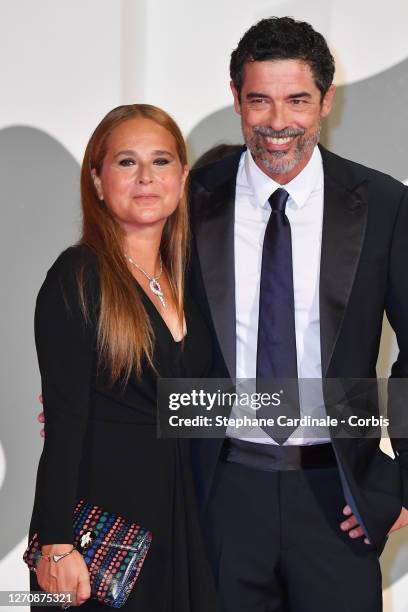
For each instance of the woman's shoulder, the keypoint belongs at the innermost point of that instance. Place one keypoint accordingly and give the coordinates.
(76, 263)
(74, 258)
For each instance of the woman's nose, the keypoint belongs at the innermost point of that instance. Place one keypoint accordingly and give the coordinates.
(145, 174)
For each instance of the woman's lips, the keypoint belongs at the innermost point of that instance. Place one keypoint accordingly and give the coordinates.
(145, 196)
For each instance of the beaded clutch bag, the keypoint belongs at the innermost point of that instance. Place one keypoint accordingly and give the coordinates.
(113, 549)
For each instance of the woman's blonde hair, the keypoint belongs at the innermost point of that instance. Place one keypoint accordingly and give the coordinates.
(124, 333)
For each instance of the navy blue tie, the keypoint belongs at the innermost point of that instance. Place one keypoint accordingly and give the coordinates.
(276, 350)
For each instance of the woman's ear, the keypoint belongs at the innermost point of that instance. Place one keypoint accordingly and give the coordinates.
(98, 183)
(185, 174)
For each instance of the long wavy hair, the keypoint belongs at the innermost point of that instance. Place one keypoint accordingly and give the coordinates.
(124, 334)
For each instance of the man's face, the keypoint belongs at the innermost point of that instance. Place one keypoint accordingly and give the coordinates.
(281, 111)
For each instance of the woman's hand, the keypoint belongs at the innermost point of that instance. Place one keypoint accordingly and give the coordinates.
(68, 574)
(40, 417)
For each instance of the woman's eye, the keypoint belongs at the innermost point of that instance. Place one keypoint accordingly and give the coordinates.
(161, 161)
(126, 162)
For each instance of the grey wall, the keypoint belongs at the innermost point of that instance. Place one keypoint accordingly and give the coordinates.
(40, 216)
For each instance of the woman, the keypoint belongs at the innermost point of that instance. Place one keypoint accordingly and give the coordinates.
(111, 316)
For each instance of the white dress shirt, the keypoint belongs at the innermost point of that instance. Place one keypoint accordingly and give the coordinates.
(304, 210)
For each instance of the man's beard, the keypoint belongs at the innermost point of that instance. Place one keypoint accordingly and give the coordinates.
(275, 162)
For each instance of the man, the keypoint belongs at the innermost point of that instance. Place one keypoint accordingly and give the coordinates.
(296, 254)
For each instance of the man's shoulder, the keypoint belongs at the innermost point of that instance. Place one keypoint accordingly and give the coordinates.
(214, 174)
(352, 173)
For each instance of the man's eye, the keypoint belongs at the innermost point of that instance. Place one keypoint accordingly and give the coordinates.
(126, 162)
(256, 101)
(161, 161)
(298, 101)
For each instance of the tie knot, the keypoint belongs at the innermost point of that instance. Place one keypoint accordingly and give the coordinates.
(278, 200)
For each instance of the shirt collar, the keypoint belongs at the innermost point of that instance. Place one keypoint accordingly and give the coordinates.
(300, 188)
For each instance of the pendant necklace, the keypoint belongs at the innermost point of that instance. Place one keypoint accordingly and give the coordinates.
(154, 284)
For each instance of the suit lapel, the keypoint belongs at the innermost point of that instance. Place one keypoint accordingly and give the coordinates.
(344, 223)
(214, 232)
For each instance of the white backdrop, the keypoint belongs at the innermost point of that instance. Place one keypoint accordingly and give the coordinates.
(63, 66)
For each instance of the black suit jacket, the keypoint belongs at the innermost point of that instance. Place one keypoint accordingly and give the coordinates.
(364, 257)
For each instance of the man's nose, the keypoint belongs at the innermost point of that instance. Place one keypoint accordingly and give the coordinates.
(278, 117)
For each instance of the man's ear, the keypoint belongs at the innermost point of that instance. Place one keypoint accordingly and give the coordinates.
(237, 103)
(328, 101)
(98, 183)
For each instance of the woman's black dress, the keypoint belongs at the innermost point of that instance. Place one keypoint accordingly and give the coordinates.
(101, 443)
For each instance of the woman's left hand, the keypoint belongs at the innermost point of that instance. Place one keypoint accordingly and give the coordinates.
(68, 575)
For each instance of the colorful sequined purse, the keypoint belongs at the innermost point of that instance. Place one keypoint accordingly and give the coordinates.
(113, 549)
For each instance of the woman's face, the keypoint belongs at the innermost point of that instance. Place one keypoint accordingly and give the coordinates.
(142, 179)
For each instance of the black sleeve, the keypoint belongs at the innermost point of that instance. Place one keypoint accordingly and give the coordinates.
(397, 313)
(65, 344)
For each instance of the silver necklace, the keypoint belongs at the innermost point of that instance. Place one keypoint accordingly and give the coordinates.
(154, 284)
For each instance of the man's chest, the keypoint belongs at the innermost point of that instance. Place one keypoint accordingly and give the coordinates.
(306, 237)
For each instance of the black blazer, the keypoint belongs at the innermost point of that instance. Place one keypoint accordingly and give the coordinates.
(362, 273)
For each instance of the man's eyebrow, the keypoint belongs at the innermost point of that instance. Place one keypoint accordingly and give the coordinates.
(256, 94)
(300, 94)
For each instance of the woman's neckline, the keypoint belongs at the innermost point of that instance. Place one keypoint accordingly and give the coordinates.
(153, 306)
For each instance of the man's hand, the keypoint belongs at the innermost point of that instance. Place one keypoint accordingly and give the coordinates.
(401, 521)
(355, 531)
(40, 417)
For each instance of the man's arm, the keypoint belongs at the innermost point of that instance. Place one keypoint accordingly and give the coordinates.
(397, 312)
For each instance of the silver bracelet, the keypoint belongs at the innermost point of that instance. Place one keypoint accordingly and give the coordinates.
(57, 558)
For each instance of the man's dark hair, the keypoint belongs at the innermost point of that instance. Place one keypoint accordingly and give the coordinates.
(279, 38)
(215, 153)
